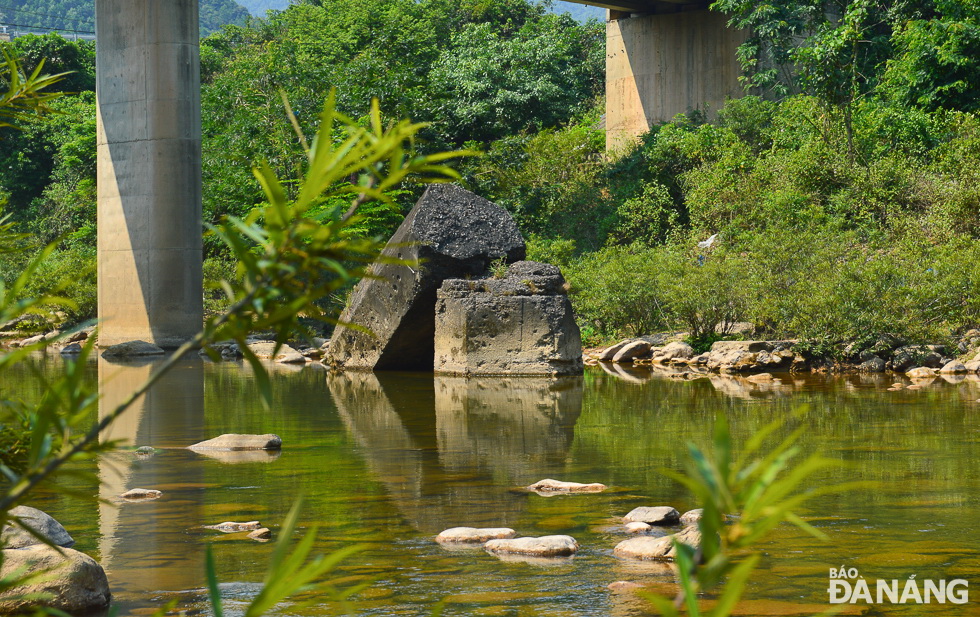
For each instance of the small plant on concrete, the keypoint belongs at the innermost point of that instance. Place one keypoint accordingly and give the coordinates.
(498, 268)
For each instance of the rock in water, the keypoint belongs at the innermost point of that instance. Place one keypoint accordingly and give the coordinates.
(691, 517)
(283, 354)
(16, 537)
(545, 546)
(132, 349)
(634, 349)
(140, 494)
(450, 233)
(659, 515)
(232, 527)
(636, 527)
(75, 583)
(648, 547)
(233, 441)
(261, 534)
(557, 486)
(473, 535)
(953, 368)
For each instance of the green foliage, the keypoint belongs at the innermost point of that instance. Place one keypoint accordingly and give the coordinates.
(759, 487)
(543, 73)
(287, 261)
(420, 59)
(934, 66)
(79, 15)
(619, 291)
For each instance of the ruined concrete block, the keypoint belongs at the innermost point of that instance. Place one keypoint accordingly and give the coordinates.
(521, 324)
(450, 233)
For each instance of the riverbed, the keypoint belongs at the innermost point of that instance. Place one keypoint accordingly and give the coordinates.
(386, 461)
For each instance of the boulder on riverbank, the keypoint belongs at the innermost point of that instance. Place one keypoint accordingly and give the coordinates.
(449, 234)
(544, 546)
(15, 535)
(234, 441)
(474, 535)
(74, 582)
(662, 548)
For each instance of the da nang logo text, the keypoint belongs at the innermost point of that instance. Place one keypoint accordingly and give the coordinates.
(848, 586)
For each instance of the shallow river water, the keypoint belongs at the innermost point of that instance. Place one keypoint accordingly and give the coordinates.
(387, 461)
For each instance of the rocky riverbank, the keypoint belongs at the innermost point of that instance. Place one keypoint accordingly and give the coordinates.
(760, 357)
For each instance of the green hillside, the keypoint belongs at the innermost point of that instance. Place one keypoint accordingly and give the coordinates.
(79, 15)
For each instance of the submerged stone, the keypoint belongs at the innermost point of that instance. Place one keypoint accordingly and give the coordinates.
(544, 546)
(557, 486)
(132, 349)
(233, 527)
(648, 547)
(234, 441)
(474, 535)
(657, 515)
(139, 494)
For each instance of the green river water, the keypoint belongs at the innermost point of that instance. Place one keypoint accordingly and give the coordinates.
(387, 461)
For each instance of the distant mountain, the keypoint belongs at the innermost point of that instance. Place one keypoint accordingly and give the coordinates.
(79, 15)
(580, 12)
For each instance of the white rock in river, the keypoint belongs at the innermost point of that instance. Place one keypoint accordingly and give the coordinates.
(691, 517)
(648, 547)
(73, 582)
(233, 441)
(139, 494)
(473, 535)
(544, 546)
(558, 486)
(658, 515)
(636, 527)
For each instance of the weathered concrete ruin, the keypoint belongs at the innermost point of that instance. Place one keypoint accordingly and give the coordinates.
(521, 324)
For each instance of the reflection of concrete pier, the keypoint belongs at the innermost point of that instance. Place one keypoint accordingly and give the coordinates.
(145, 537)
(451, 454)
(516, 428)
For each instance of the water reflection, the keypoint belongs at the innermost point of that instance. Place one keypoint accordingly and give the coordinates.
(451, 450)
(170, 414)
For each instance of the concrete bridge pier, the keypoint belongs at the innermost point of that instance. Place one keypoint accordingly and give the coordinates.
(665, 58)
(149, 170)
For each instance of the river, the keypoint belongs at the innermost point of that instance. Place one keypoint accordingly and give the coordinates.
(387, 461)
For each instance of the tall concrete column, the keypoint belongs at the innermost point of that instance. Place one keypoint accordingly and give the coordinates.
(149, 170)
(663, 64)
